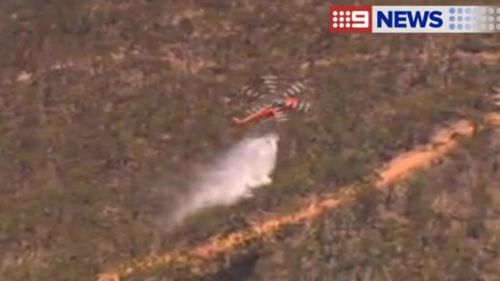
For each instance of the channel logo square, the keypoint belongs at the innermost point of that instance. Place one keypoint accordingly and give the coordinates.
(351, 19)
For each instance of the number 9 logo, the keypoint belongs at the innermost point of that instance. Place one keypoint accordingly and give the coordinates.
(360, 19)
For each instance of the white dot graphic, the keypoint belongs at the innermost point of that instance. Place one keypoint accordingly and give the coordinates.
(349, 25)
(335, 13)
(341, 25)
(347, 19)
(334, 18)
(341, 13)
(335, 25)
(348, 13)
(341, 19)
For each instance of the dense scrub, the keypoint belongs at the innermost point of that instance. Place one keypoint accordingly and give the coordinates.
(106, 105)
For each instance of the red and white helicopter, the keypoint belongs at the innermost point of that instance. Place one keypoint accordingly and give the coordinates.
(277, 108)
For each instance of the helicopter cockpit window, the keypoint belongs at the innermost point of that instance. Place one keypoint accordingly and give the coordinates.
(279, 103)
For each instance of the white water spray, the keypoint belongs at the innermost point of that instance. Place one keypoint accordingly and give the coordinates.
(247, 165)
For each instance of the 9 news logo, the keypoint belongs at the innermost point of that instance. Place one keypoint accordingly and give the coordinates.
(414, 19)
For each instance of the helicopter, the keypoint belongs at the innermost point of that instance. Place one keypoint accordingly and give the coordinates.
(278, 107)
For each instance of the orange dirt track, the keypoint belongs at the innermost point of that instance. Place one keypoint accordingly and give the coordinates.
(395, 170)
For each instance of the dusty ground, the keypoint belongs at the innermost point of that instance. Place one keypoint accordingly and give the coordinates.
(105, 105)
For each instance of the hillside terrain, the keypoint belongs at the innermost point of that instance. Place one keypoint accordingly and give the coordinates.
(107, 106)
